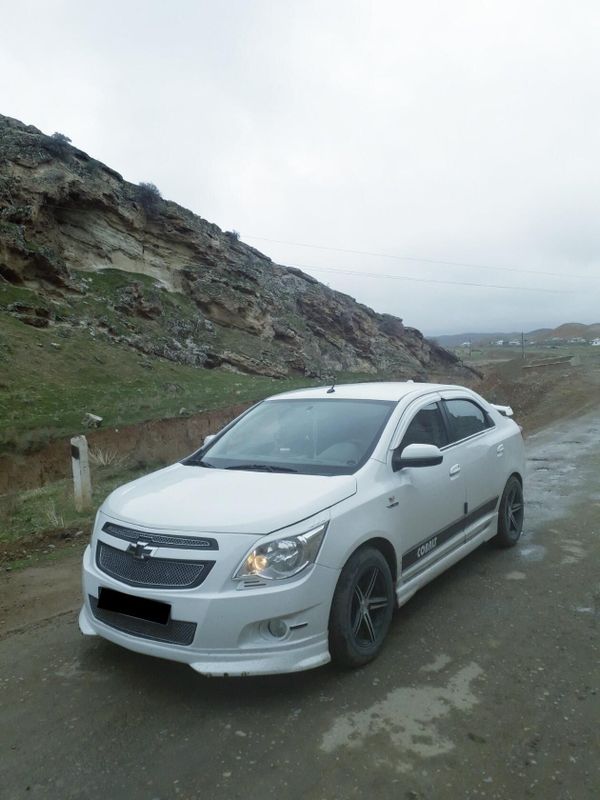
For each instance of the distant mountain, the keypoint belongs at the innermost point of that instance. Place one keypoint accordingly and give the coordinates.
(569, 330)
(572, 329)
(456, 339)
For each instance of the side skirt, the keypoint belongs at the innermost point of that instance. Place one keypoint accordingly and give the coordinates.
(405, 590)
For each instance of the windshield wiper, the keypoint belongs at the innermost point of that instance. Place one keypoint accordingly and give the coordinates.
(262, 468)
(198, 462)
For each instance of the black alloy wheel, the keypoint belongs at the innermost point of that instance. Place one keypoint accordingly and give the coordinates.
(511, 513)
(362, 608)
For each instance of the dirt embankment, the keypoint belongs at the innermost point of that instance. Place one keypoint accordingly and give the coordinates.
(542, 393)
(150, 442)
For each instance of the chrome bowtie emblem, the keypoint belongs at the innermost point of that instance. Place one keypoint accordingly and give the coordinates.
(140, 550)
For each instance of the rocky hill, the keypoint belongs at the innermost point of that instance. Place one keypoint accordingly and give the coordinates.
(83, 248)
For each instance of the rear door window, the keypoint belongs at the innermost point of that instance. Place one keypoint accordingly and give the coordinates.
(466, 419)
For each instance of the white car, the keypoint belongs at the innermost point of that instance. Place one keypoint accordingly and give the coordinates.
(287, 540)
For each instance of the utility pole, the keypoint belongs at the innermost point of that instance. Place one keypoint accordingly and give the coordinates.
(522, 345)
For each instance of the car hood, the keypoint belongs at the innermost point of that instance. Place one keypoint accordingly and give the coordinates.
(220, 501)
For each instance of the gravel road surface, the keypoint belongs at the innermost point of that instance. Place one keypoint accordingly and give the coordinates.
(488, 687)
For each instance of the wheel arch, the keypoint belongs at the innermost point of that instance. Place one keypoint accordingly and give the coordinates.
(387, 550)
(517, 475)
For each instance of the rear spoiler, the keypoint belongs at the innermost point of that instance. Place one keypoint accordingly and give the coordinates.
(506, 411)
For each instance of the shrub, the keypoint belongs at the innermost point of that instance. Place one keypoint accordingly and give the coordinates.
(233, 234)
(106, 458)
(55, 519)
(60, 138)
(148, 196)
(58, 144)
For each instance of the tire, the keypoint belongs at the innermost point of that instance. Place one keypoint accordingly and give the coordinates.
(510, 514)
(362, 609)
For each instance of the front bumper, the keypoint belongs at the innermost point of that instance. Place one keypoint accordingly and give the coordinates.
(231, 636)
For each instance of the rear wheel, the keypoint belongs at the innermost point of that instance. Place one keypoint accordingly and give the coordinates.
(510, 514)
(362, 608)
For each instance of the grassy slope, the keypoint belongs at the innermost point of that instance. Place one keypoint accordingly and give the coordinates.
(45, 391)
(43, 519)
(50, 377)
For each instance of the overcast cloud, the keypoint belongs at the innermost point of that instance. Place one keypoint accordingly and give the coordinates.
(460, 131)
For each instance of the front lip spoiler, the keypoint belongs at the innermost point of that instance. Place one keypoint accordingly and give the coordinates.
(217, 663)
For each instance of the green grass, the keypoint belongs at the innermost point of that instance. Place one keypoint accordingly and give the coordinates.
(51, 508)
(19, 294)
(46, 390)
(50, 377)
(43, 524)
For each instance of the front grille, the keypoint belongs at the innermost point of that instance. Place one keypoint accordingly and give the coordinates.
(174, 632)
(160, 539)
(161, 573)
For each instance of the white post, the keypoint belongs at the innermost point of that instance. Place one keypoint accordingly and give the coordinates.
(81, 473)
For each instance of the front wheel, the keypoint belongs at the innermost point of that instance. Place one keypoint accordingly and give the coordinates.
(510, 514)
(362, 608)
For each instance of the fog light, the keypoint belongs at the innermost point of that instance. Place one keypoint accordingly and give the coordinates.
(277, 628)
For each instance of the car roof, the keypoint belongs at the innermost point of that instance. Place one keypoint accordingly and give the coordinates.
(377, 390)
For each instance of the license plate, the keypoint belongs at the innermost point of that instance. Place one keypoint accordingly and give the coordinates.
(140, 607)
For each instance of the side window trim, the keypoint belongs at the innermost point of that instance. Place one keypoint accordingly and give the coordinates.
(445, 413)
(411, 410)
(439, 404)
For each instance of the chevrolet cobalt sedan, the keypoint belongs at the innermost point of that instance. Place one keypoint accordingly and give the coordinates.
(288, 538)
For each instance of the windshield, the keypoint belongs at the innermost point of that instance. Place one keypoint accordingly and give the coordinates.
(324, 437)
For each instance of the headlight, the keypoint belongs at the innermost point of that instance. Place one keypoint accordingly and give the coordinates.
(282, 558)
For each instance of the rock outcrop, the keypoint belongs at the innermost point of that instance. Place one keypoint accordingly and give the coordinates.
(64, 215)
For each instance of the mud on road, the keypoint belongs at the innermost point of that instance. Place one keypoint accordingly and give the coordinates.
(488, 687)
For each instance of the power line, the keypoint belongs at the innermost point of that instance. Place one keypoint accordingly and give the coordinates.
(364, 274)
(423, 260)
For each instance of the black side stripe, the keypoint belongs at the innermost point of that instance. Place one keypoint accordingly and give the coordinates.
(441, 537)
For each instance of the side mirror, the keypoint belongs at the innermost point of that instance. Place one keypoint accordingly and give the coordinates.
(208, 439)
(417, 455)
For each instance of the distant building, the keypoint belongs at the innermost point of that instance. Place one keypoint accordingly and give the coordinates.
(596, 342)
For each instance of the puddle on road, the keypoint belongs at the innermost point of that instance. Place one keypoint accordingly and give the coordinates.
(73, 669)
(408, 717)
(554, 468)
(574, 551)
(438, 663)
(532, 552)
(515, 576)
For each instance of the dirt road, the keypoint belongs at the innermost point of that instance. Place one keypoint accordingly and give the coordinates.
(489, 686)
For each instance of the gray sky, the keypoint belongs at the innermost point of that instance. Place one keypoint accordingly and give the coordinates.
(459, 131)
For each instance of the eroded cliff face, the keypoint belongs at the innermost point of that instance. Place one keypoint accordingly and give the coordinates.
(191, 293)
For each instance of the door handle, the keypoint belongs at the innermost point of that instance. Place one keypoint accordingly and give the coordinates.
(454, 470)
(500, 449)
